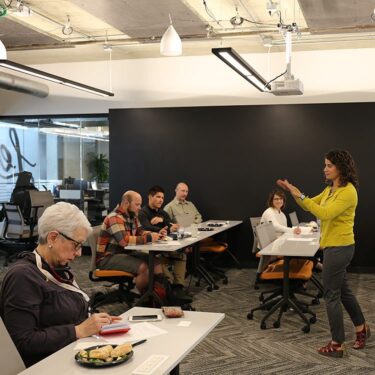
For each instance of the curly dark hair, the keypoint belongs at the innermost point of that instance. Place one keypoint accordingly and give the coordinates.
(344, 162)
(274, 192)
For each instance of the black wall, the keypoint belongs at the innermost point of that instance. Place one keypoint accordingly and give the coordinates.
(231, 157)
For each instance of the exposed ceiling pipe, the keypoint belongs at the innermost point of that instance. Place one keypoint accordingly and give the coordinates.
(26, 86)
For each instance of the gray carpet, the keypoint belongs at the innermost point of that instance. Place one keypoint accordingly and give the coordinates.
(239, 346)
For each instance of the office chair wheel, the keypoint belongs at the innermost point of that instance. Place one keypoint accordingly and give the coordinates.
(250, 316)
(315, 301)
(256, 286)
(197, 283)
(320, 295)
(209, 289)
(263, 325)
(306, 329)
(216, 287)
(313, 319)
(276, 324)
(225, 281)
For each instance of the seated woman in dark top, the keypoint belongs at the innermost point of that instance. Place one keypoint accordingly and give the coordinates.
(41, 304)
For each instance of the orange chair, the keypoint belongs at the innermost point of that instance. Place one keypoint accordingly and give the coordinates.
(300, 271)
(123, 279)
(211, 249)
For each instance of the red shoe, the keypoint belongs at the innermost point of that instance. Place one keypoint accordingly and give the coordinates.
(332, 350)
(362, 336)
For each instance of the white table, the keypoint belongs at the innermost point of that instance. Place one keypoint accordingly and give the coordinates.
(291, 246)
(176, 343)
(154, 248)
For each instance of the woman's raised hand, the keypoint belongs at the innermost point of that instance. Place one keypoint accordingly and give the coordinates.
(286, 185)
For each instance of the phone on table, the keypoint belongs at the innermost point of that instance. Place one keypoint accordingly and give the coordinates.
(145, 318)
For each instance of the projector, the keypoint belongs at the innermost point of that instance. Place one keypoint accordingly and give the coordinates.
(287, 87)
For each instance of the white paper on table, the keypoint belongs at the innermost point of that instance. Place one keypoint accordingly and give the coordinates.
(138, 331)
(300, 239)
(184, 323)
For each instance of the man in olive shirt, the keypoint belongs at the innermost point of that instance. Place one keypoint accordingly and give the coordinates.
(153, 218)
(180, 210)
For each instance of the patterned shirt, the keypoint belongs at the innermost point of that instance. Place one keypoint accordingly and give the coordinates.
(118, 231)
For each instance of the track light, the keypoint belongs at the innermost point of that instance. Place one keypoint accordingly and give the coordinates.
(170, 44)
(237, 63)
(49, 77)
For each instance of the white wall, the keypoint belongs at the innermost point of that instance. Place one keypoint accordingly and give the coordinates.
(328, 76)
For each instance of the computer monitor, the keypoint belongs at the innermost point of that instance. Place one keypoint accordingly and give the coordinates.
(80, 184)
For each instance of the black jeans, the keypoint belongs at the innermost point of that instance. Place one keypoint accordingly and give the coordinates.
(337, 291)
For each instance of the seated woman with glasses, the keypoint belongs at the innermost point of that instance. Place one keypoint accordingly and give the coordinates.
(41, 305)
(276, 202)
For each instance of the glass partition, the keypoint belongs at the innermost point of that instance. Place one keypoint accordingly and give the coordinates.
(68, 156)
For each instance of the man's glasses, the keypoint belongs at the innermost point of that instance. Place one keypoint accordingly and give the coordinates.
(77, 245)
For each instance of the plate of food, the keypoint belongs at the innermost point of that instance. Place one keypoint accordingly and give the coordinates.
(104, 355)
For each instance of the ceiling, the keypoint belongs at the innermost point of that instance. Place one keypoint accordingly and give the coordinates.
(133, 28)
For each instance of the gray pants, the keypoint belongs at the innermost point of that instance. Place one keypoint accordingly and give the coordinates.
(336, 290)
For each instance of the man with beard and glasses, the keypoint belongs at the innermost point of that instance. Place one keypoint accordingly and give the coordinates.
(120, 229)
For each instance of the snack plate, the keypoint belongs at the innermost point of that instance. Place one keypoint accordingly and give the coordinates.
(80, 360)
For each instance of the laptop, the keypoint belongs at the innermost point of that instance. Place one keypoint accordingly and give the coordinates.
(294, 220)
(185, 220)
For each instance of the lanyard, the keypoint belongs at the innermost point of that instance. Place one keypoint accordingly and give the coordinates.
(73, 288)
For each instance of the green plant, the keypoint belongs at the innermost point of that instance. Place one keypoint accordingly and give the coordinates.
(101, 168)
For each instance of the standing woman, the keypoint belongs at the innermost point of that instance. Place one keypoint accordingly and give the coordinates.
(335, 207)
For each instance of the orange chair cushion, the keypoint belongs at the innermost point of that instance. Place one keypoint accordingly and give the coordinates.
(112, 273)
(300, 269)
(214, 247)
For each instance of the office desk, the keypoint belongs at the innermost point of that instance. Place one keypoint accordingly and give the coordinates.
(176, 343)
(291, 246)
(155, 248)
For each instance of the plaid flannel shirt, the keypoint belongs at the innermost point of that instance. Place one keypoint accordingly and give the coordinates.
(118, 231)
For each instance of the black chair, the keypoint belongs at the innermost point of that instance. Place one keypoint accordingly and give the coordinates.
(123, 279)
(18, 234)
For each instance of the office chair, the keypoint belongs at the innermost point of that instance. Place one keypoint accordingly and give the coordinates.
(300, 270)
(40, 200)
(123, 279)
(254, 222)
(209, 250)
(18, 234)
(10, 359)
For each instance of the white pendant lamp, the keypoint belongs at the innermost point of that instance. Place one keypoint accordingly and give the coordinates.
(3, 51)
(170, 44)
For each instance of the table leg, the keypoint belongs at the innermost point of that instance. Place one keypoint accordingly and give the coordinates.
(175, 371)
(150, 294)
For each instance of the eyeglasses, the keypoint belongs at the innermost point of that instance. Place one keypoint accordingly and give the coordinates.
(77, 245)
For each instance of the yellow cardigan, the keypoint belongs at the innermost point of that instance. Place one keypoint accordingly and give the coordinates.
(336, 213)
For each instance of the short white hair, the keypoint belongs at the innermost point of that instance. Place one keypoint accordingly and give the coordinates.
(62, 217)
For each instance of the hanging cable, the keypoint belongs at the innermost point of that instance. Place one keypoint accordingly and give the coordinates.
(209, 12)
(275, 78)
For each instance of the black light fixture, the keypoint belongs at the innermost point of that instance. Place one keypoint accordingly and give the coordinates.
(51, 77)
(237, 63)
